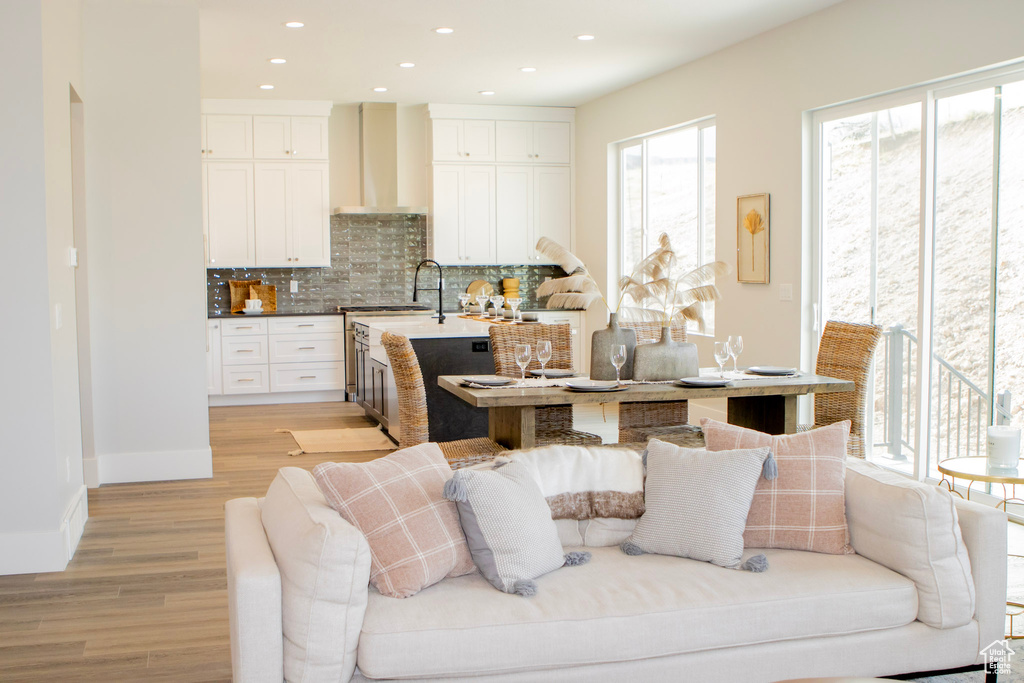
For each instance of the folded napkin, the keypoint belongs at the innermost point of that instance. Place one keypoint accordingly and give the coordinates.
(531, 383)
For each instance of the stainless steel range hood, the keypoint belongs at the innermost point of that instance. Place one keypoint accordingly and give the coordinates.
(378, 162)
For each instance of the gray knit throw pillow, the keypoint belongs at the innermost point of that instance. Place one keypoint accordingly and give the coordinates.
(697, 504)
(508, 526)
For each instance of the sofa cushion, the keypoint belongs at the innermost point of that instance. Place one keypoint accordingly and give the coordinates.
(696, 502)
(325, 566)
(802, 508)
(619, 608)
(414, 533)
(912, 528)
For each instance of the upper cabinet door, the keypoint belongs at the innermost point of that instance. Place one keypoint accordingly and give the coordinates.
(514, 214)
(311, 222)
(552, 200)
(272, 137)
(477, 141)
(447, 140)
(514, 141)
(228, 136)
(273, 214)
(309, 137)
(445, 217)
(477, 224)
(230, 219)
(552, 143)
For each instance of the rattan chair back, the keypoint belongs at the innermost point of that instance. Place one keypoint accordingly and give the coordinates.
(504, 339)
(636, 419)
(846, 351)
(412, 395)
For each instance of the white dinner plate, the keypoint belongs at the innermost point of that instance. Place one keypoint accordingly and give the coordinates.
(771, 370)
(594, 385)
(489, 380)
(249, 311)
(552, 373)
(703, 382)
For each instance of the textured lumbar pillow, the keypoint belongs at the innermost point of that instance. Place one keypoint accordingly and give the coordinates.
(697, 504)
(414, 533)
(804, 508)
(587, 482)
(508, 526)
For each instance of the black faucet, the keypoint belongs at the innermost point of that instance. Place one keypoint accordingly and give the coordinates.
(440, 288)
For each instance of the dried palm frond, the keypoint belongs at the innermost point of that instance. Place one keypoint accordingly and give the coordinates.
(754, 224)
(578, 290)
(638, 314)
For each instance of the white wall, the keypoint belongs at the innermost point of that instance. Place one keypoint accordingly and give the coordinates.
(42, 502)
(147, 298)
(759, 90)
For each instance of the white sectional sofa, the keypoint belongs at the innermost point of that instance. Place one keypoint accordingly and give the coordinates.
(301, 607)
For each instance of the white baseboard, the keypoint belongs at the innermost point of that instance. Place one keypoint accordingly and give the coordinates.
(123, 468)
(37, 552)
(274, 399)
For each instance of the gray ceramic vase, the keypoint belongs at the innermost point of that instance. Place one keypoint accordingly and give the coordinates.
(665, 359)
(601, 343)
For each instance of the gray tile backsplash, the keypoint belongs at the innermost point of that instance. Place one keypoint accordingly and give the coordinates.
(373, 260)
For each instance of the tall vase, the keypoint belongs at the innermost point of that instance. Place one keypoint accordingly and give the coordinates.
(601, 345)
(665, 359)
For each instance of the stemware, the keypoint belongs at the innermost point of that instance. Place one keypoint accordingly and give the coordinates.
(618, 359)
(523, 355)
(543, 355)
(721, 355)
(481, 301)
(497, 300)
(735, 349)
(464, 298)
(514, 303)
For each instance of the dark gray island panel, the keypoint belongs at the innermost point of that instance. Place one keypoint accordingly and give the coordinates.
(450, 417)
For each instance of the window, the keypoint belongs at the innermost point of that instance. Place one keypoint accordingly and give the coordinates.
(667, 184)
(918, 215)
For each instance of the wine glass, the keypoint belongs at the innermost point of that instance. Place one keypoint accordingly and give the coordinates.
(464, 298)
(721, 355)
(543, 355)
(481, 301)
(735, 349)
(618, 359)
(523, 355)
(514, 303)
(497, 300)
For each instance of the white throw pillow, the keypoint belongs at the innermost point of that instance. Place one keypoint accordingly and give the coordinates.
(325, 571)
(913, 529)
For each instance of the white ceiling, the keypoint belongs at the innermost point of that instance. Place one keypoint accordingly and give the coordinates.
(348, 47)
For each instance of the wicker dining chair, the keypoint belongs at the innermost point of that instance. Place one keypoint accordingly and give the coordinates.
(846, 351)
(412, 408)
(664, 420)
(554, 423)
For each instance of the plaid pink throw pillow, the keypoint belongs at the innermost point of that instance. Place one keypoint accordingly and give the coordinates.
(804, 508)
(414, 533)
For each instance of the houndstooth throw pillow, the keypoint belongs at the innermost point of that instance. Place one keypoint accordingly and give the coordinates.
(697, 504)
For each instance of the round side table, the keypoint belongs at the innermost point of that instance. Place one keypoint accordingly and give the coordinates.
(975, 469)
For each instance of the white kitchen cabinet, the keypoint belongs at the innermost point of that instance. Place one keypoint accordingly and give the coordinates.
(226, 136)
(468, 140)
(463, 220)
(532, 202)
(290, 137)
(214, 379)
(286, 377)
(307, 348)
(534, 142)
(244, 350)
(292, 216)
(230, 219)
(246, 379)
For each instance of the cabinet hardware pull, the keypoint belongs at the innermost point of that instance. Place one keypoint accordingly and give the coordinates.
(306, 325)
(209, 151)
(307, 377)
(287, 151)
(307, 348)
(244, 327)
(243, 351)
(467, 154)
(246, 379)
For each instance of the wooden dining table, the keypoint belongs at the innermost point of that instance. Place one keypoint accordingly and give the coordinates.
(766, 404)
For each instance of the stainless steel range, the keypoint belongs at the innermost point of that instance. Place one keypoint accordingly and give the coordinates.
(350, 313)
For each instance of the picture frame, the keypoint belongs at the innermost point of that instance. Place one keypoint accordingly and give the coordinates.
(752, 238)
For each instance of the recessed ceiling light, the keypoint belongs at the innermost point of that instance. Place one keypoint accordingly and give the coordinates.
(380, 90)
(294, 24)
(278, 60)
(584, 36)
(528, 69)
(407, 65)
(266, 86)
(486, 92)
(444, 29)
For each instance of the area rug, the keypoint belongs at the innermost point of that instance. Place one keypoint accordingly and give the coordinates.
(339, 440)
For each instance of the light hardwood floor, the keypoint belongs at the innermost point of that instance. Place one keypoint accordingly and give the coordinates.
(145, 597)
